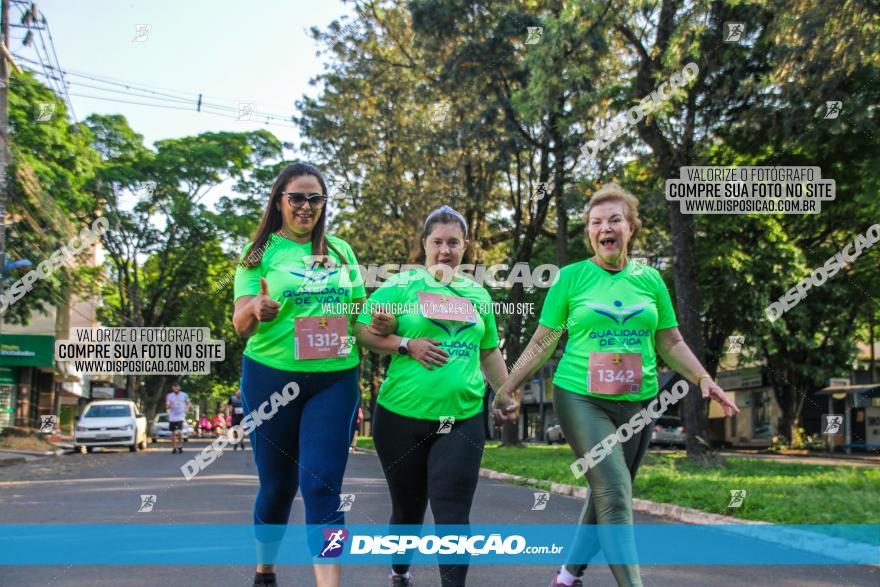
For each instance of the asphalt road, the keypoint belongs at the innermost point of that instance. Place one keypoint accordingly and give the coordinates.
(105, 487)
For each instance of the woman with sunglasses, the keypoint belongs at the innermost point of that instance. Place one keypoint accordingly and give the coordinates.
(427, 425)
(288, 278)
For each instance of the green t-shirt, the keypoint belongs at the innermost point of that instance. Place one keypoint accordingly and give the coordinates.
(302, 291)
(608, 313)
(456, 389)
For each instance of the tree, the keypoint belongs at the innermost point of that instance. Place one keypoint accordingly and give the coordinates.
(165, 250)
(803, 52)
(51, 162)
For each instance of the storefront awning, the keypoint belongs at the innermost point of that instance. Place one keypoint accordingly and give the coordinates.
(27, 350)
(871, 390)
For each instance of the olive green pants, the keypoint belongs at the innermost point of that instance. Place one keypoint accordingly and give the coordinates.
(586, 421)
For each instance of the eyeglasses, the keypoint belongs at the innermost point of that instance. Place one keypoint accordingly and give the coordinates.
(299, 199)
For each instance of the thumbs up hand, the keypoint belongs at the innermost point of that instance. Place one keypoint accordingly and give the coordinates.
(265, 308)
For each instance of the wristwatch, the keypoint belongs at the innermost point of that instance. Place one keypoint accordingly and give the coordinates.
(403, 347)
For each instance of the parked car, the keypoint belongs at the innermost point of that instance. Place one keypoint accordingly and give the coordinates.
(668, 430)
(554, 433)
(160, 428)
(111, 422)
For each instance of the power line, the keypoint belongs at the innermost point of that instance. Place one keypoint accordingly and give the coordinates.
(40, 57)
(172, 107)
(121, 101)
(58, 63)
(118, 81)
(143, 87)
(159, 99)
(30, 20)
(127, 85)
(134, 93)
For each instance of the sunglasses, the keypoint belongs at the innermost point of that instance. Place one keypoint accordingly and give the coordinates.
(298, 199)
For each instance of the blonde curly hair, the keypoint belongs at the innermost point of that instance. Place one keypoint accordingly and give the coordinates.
(612, 192)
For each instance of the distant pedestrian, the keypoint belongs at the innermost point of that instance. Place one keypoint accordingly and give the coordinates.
(176, 404)
(236, 413)
(204, 426)
(219, 423)
(354, 430)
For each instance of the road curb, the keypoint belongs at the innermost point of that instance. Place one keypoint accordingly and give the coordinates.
(801, 540)
(667, 510)
(12, 461)
(34, 453)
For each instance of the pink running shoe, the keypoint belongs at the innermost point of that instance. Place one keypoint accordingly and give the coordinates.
(555, 583)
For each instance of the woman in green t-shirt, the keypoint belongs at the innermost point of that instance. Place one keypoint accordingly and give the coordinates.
(619, 316)
(427, 426)
(300, 367)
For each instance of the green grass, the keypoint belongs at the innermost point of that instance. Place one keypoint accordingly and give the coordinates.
(781, 493)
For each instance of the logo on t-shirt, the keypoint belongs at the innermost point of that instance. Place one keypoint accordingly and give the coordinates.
(455, 348)
(620, 315)
(617, 313)
(314, 279)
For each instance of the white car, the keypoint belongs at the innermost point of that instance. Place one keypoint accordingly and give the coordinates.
(160, 428)
(668, 430)
(111, 422)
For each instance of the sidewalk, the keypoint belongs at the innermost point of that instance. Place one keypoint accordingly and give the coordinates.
(15, 457)
(867, 459)
(63, 442)
(860, 460)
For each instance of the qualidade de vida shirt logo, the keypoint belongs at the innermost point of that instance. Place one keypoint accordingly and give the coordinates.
(620, 315)
(456, 348)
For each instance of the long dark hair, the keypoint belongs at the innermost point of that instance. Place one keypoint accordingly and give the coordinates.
(272, 220)
(443, 215)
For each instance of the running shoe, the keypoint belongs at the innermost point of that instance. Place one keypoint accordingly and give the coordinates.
(265, 580)
(401, 581)
(555, 583)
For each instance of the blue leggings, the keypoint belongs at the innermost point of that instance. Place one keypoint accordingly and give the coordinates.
(305, 444)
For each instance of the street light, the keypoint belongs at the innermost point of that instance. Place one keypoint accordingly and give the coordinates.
(12, 265)
(6, 269)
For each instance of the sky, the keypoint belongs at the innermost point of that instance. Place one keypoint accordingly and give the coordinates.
(256, 52)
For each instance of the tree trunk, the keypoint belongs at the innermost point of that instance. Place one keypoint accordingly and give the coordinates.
(690, 323)
(561, 204)
(513, 349)
(153, 399)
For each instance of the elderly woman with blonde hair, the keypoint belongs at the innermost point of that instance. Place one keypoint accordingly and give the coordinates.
(619, 316)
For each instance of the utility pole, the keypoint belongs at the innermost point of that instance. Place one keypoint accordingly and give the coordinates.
(5, 154)
(873, 364)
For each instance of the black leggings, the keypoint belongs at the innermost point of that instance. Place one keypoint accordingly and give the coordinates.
(421, 465)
